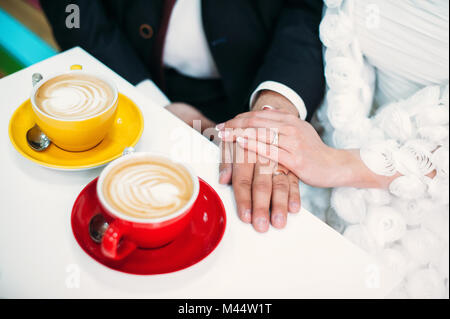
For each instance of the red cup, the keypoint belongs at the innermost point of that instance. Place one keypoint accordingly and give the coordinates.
(126, 233)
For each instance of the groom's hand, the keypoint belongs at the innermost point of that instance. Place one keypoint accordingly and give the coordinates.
(261, 197)
(189, 114)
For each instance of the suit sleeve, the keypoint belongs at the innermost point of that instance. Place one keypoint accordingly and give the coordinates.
(98, 34)
(295, 55)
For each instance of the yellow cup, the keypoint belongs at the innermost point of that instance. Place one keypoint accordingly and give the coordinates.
(76, 135)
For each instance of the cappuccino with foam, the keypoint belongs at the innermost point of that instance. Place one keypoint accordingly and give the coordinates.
(74, 96)
(147, 187)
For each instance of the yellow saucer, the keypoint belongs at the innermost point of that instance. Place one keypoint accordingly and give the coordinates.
(126, 132)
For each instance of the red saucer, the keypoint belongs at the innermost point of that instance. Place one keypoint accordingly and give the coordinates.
(196, 243)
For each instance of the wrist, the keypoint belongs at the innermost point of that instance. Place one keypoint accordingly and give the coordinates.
(356, 174)
(275, 100)
(342, 173)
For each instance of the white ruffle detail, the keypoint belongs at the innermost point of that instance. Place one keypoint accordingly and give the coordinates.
(395, 260)
(336, 31)
(378, 197)
(407, 137)
(414, 159)
(436, 115)
(425, 284)
(343, 108)
(342, 74)
(355, 136)
(349, 204)
(379, 157)
(385, 224)
(427, 97)
(440, 158)
(395, 122)
(423, 246)
(414, 211)
(438, 188)
(436, 134)
(437, 222)
(408, 187)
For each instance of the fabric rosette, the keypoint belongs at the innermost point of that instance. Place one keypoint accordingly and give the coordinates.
(345, 110)
(356, 134)
(395, 260)
(414, 211)
(342, 74)
(414, 158)
(427, 97)
(437, 134)
(408, 187)
(379, 197)
(395, 122)
(437, 222)
(379, 158)
(440, 158)
(438, 189)
(385, 224)
(422, 246)
(349, 204)
(336, 31)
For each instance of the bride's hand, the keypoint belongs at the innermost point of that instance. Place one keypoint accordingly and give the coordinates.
(299, 146)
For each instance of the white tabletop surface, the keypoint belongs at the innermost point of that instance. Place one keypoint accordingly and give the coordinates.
(39, 257)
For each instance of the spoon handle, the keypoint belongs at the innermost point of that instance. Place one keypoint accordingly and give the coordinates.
(35, 78)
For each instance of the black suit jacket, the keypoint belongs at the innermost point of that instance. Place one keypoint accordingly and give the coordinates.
(251, 41)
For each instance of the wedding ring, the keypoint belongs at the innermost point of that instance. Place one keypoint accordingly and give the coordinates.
(279, 172)
(276, 139)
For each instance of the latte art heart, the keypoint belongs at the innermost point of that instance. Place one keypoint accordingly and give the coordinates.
(148, 189)
(74, 96)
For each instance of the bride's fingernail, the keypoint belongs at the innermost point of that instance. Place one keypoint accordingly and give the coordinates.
(220, 127)
(241, 140)
(267, 107)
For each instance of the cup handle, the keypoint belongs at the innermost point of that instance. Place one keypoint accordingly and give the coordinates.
(114, 246)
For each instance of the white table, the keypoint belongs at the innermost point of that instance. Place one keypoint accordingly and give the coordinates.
(39, 257)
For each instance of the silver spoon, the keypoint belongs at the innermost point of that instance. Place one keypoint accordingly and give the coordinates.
(97, 228)
(36, 139)
(98, 225)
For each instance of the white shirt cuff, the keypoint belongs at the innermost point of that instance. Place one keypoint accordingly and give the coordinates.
(149, 89)
(284, 90)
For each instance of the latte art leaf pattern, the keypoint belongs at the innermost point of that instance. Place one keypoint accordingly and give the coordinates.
(74, 96)
(148, 189)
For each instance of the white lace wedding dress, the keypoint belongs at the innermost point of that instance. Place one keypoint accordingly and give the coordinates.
(387, 70)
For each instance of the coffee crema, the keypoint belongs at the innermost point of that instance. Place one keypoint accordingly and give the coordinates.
(74, 96)
(147, 188)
